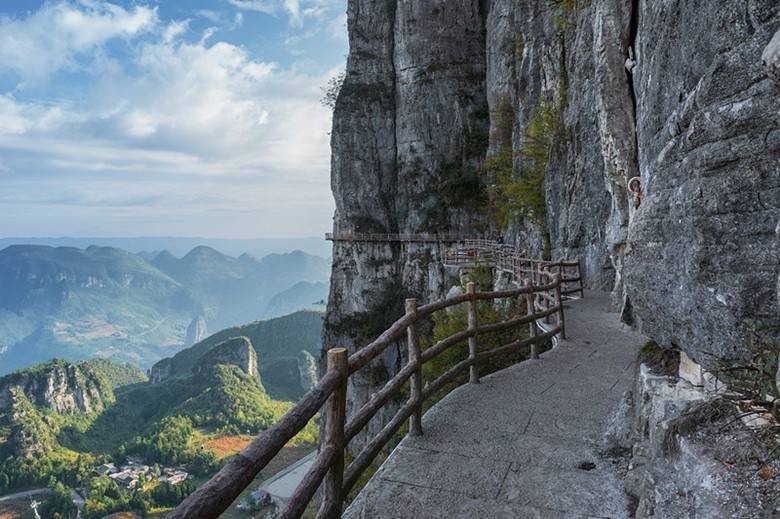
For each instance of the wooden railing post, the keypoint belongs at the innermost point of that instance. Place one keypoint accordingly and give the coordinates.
(335, 417)
(579, 275)
(473, 325)
(415, 382)
(532, 325)
(559, 300)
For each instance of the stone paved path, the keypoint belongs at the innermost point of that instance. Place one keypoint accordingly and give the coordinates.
(511, 446)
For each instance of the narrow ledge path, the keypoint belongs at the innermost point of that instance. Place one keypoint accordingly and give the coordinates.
(518, 444)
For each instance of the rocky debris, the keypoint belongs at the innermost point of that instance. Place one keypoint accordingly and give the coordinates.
(237, 351)
(60, 386)
(196, 331)
(688, 453)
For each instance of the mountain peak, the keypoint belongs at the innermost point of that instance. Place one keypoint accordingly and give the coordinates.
(203, 251)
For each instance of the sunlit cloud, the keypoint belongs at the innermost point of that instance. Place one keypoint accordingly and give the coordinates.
(182, 123)
(54, 36)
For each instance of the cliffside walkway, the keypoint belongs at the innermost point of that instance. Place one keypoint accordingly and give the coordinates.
(539, 287)
(524, 441)
(394, 237)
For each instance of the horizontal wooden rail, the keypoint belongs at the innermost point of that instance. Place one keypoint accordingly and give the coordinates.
(306, 489)
(377, 401)
(215, 496)
(395, 237)
(541, 290)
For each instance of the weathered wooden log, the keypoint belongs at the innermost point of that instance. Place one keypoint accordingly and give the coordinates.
(304, 492)
(365, 355)
(445, 344)
(516, 345)
(532, 326)
(473, 327)
(216, 495)
(502, 325)
(372, 448)
(367, 411)
(559, 304)
(415, 384)
(447, 376)
(335, 416)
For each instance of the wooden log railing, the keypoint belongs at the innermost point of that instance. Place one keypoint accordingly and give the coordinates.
(541, 294)
(395, 237)
(476, 252)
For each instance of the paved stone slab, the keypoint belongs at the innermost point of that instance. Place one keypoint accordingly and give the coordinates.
(414, 502)
(511, 445)
(473, 476)
(597, 492)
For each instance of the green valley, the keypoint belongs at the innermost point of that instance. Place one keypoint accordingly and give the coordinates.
(125, 442)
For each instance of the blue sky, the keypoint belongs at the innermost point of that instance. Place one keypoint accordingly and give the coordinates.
(188, 118)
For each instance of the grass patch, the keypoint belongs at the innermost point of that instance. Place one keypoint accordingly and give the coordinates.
(660, 360)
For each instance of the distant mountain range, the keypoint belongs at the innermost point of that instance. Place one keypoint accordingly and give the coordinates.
(106, 302)
(150, 246)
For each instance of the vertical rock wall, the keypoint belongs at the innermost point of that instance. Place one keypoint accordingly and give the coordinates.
(409, 132)
(429, 89)
(702, 255)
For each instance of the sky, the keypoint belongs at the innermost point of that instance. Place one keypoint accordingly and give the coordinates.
(167, 118)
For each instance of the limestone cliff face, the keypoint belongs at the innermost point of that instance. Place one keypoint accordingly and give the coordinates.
(702, 254)
(409, 133)
(196, 331)
(237, 351)
(60, 386)
(679, 93)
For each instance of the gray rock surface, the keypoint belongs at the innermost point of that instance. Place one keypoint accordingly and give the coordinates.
(307, 368)
(702, 257)
(160, 371)
(196, 331)
(409, 131)
(60, 386)
(697, 118)
(771, 58)
(237, 351)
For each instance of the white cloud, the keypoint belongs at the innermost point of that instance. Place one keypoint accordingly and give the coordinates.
(176, 115)
(262, 6)
(19, 118)
(50, 39)
(196, 107)
(337, 27)
(175, 29)
(297, 11)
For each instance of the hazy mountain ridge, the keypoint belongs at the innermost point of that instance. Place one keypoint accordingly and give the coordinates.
(105, 302)
(301, 295)
(149, 246)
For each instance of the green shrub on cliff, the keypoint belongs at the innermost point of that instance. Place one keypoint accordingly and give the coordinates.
(521, 193)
